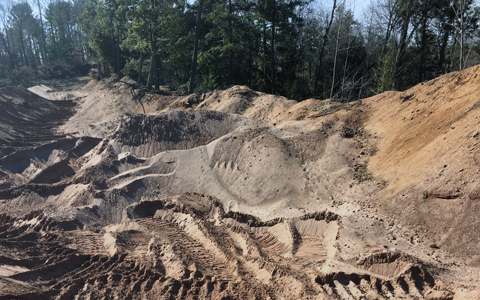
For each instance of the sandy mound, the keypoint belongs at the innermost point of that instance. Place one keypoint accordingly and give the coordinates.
(240, 194)
(105, 104)
(188, 247)
(147, 135)
(246, 164)
(55, 94)
(257, 105)
(48, 163)
(428, 152)
(27, 119)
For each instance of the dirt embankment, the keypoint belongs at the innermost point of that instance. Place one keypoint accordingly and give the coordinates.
(27, 119)
(429, 153)
(241, 194)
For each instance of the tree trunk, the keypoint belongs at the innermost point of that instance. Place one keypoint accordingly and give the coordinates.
(402, 45)
(9, 52)
(462, 33)
(442, 50)
(22, 43)
(423, 46)
(250, 66)
(12, 53)
(114, 55)
(106, 69)
(140, 67)
(119, 56)
(44, 39)
(53, 34)
(335, 60)
(345, 67)
(320, 58)
(272, 44)
(158, 72)
(230, 41)
(151, 72)
(265, 74)
(195, 47)
(388, 31)
(31, 53)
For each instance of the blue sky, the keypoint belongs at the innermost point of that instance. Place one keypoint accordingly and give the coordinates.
(357, 6)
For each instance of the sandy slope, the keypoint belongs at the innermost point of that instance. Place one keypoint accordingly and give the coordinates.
(428, 152)
(241, 194)
(27, 119)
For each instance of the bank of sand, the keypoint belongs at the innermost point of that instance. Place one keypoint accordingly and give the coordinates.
(236, 193)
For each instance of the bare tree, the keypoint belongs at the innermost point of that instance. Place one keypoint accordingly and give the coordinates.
(322, 49)
(195, 49)
(272, 45)
(336, 55)
(460, 5)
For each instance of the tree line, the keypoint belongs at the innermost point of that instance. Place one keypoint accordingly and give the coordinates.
(296, 48)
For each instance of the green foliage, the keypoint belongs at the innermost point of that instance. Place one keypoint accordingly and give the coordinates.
(114, 76)
(383, 80)
(237, 44)
(209, 81)
(131, 67)
(183, 87)
(161, 28)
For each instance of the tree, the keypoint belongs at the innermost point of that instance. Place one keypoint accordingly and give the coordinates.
(103, 29)
(405, 10)
(6, 40)
(288, 47)
(43, 37)
(21, 17)
(466, 21)
(444, 16)
(195, 47)
(280, 23)
(349, 50)
(322, 49)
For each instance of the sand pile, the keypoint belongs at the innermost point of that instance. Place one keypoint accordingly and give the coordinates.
(429, 153)
(241, 194)
(105, 104)
(243, 162)
(189, 247)
(147, 135)
(27, 119)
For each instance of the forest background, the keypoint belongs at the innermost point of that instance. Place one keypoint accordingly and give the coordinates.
(296, 48)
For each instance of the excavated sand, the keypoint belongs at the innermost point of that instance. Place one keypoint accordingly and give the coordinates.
(112, 192)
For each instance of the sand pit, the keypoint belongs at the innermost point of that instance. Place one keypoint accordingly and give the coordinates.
(110, 190)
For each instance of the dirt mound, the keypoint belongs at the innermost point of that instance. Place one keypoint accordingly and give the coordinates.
(27, 119)
(106, 103)
(239, 160)
(240, 194)
(47, 164)
(188, 247)
(257, 105)
(147, 135)
(103, 104)
(428, 152)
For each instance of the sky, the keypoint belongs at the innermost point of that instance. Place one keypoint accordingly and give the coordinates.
(357, 6)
